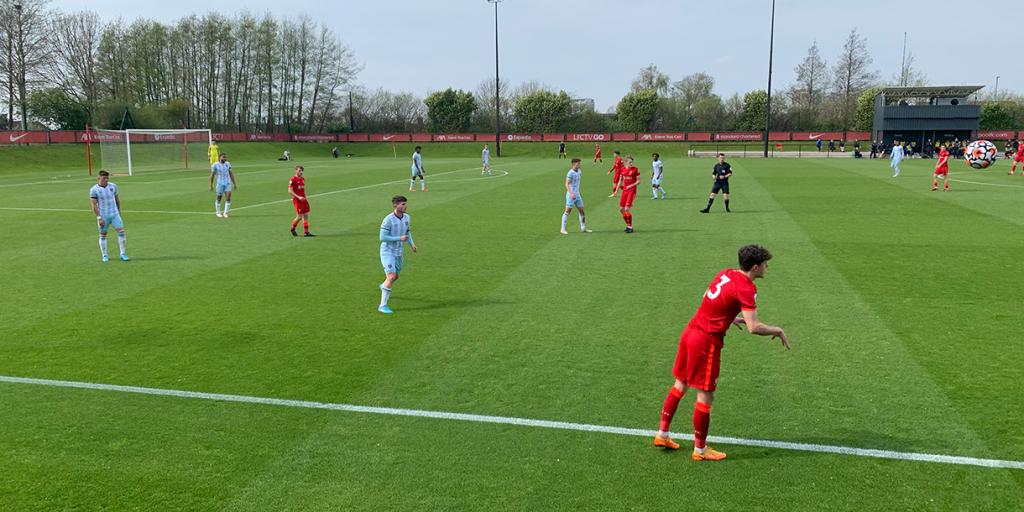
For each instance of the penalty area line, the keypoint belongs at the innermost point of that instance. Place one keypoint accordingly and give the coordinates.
(520, 422)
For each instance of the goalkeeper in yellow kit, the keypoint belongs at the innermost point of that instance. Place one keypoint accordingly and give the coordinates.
(214, 153)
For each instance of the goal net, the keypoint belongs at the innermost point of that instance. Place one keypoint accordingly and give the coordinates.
(133, 152)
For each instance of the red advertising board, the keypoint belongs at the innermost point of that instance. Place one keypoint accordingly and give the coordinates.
(422, 137)
(554, 137)
(390, 137)
(813, 136)
(851, 136)
(662, 137)
(698, 136)
(737, 136)
(484, 137)
(522, 137)
(995, 134)
(779, 135)
(23, 138)
(458, 137)
(623, 136)
(260, 137)
(358, 137)
(588, 137)
(62, 137)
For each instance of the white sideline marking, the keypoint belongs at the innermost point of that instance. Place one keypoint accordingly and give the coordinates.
(988, 184)
(88, 210)
(521, 422)
(353, 189)
(74, 210)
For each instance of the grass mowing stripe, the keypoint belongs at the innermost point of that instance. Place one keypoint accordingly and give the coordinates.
(521, 422)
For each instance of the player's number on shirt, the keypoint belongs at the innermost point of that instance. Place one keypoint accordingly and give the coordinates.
(713, 294)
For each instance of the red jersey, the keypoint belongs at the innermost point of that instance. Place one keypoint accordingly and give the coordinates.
(730, 292)
(943, 159)
(616, 165)
(1020, 150)
(630, 175)
(298, 185)
(597, 150)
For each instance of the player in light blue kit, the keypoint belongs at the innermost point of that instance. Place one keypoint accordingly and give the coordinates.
(486, 157)
(573, 197)
(225, 183)
(897, 157)
(659, 168)
(394, 234)
(417, 172)
(106, 205)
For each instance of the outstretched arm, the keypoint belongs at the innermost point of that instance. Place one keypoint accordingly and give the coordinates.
(755, 326)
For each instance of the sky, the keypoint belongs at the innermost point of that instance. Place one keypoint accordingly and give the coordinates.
(594, 49)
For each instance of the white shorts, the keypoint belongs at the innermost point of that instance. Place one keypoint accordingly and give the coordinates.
(656, 181)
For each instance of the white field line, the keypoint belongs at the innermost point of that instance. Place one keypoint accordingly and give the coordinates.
(84, 210)
(521, 422)
(18, 209)
(353, 189)
(194, 174)
(986, 184)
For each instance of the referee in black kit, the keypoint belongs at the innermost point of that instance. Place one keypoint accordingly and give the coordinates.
(721, 173)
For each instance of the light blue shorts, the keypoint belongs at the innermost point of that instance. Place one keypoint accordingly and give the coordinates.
(415, 172)
(110, 221)
(391, 263)
(223, 188)
(578, 202)
(487, 161)
(896, 162)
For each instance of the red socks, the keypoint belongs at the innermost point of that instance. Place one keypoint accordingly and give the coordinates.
(701, 421)
(628, 217)
(305, 226)
(295, 223)
(669, 409)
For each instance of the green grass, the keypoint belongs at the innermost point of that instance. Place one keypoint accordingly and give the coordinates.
(900, 302)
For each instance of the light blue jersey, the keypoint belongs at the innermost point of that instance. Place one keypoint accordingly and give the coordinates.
(106, 199)
(394, 226)
(487, 156)
(222, 171)
(897, 153)
(106, 203)
(417, 165)
(573, 179)
(391, 247)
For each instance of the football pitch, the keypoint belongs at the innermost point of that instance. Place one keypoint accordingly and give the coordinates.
(230, 366)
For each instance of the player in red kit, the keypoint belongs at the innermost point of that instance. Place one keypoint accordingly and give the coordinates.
(629, 178)
(614, 171)
(297, 189)
(942, 169)
(700, 345)
(597, 153)
(1018, 158)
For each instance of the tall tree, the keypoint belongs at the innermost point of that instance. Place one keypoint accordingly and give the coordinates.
(75, 41)
(542, 111)
(852, 74)
(636, 110)
(909, 75)
(652, 78)
(755, 103)
(450, 111)
(27, 48)
(809, 89)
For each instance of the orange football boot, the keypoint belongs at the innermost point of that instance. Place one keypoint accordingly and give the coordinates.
(665, 442)
(709, 454)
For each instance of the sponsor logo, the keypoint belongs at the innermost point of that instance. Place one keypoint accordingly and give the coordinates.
(12, 138)
(812, 136)
(387, 137)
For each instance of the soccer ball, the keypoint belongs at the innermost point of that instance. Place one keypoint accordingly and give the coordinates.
(980, 154)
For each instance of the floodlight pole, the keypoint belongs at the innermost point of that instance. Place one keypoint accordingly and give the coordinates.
(995, 92)
(497, 85)
(768, 104)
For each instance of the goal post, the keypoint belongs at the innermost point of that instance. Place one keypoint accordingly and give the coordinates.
(131, 152)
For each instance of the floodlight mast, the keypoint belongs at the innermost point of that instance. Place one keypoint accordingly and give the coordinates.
(768, 103)
(497, 85)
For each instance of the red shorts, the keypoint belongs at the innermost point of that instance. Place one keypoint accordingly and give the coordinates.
(300, 206)
(597, 155)
(1019, 157)
(615, 178)
(698, 360)
(628, 195)
(942, 171)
